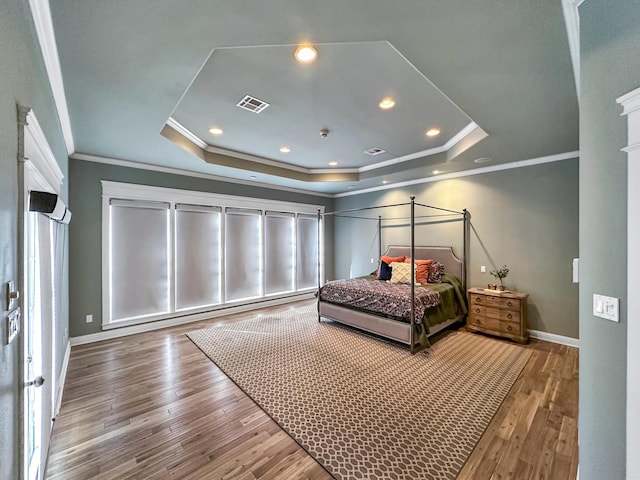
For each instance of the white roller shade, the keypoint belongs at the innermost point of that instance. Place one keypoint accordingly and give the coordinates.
(243, 272)
(278, 252)
(307, 251)
(139, 258)
(198, 254)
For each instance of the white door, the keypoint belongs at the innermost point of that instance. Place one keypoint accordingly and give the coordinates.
(33, 367)
(37, 306)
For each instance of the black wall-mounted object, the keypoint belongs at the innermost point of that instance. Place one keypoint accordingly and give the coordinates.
(49, 204)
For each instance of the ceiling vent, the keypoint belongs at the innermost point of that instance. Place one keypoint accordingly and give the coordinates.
(252, 104)
(374, 151)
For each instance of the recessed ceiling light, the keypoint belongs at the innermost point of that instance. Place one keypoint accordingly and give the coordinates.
(432, 132)
(333, 163)
(387, 103)
(253, 177)
(384, 182)
(285, 149)
(215, 131)
(350, 187)
(482, 160)
(306, 54)
(436, 172)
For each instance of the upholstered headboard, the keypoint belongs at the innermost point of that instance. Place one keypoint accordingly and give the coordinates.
(452, 264)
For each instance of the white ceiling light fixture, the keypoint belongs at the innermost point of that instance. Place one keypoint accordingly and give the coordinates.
(333, 163)
(387, 103)
(436, 172)
(306, 54)
(285, 149)
(215, 131)
(482, 160)
(432, 132)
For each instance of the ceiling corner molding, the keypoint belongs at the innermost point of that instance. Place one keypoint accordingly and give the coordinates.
(43, 159)
(190, 173)
(467, 173)
(630, 102)
(185, 132)
(572, 21)
(41, 14)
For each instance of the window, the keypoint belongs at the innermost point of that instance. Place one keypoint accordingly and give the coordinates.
(243, 253)
(198, 256)
(279, 252)
(139, 258)
(171, 252)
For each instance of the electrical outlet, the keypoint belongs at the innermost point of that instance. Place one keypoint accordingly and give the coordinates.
(483, 269)
(89, 318)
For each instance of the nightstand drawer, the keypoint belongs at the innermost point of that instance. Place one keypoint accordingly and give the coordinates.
(510, 315)
(485, 300)
(477, 310)
(510, 304)
(484, 322)
(509, 327)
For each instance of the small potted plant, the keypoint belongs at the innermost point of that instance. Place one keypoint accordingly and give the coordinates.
(500, 273)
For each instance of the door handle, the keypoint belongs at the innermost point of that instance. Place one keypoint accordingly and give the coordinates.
(35, 383)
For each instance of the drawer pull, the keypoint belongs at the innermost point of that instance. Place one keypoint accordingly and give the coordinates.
(509, 316)
(477, 310)
(509, 327)
(478, 321)
(509, 304)
(478, 299)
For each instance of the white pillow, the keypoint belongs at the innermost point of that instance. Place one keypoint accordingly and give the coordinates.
(401, 273)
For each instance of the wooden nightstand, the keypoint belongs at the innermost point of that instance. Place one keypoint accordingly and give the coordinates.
(503, 314)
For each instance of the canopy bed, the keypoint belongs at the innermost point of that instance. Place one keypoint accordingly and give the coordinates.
(416, 292)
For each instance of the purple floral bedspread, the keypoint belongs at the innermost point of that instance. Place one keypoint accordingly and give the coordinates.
(380, 297)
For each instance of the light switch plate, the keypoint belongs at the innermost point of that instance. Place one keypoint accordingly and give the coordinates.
(606, 307)
(13, 325)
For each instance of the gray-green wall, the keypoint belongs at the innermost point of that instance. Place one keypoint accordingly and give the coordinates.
(526, 218)
(85, 241)
(610, 67)
(23, 80)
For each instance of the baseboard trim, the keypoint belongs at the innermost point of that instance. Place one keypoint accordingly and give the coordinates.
(554, 338)
(63, 377)
(172, 322)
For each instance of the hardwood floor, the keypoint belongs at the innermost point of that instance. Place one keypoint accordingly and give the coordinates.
(153, 406)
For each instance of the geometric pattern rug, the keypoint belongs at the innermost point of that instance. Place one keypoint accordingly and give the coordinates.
(362, 407)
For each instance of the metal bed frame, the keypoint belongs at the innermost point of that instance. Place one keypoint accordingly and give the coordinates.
(375, 323)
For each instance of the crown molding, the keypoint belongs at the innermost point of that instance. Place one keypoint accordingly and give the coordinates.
(41, 14)
(466, 173)
(572, 22)
(198, 142)
(42, 158)
(188, 173)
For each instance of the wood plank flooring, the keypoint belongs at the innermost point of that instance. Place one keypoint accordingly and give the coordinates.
(153, 406)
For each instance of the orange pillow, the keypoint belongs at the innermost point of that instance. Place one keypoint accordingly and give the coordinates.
(390, 260)
(422, 269)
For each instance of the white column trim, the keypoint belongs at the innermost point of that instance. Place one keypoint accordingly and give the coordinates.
(38, 152)
(631, 109)
(41, 14)
(572, 22)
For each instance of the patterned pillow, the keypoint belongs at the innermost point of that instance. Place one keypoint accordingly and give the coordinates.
(401, 272)
(436, 270)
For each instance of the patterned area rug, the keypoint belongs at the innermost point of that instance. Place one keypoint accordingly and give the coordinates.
(364, 408)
